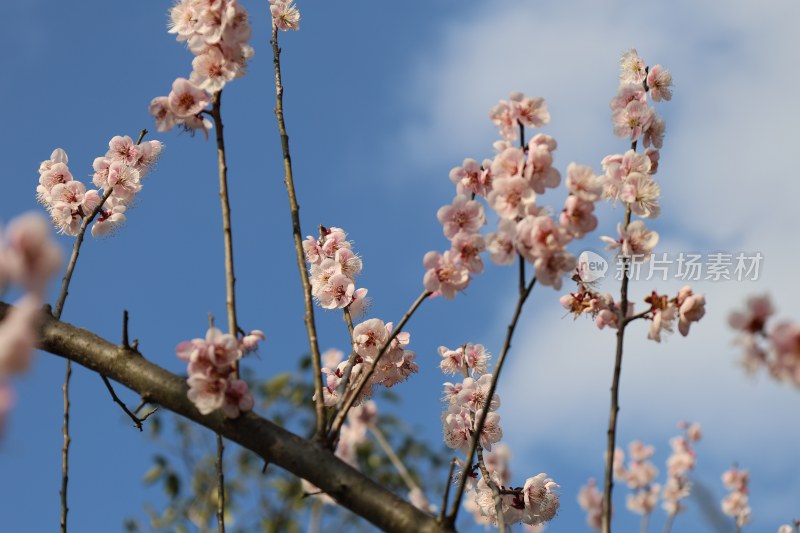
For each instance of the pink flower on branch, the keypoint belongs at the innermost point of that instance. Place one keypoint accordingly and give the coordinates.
(445, 275)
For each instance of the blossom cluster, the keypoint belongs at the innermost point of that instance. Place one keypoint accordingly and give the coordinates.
(213, 381)
(118, 173)
(735, 504)
(536, 502)
(680, 462)
(510, 184)
(776, 349)
(628, 178)
(216, 33)
(369, 339)
(663, 313)
(333, 270)
(640, 475)
(28, 259)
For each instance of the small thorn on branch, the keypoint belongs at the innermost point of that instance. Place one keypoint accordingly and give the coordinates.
(125, 343)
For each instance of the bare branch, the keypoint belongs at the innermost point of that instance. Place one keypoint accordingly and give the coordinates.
(311, 329)
(306, 459)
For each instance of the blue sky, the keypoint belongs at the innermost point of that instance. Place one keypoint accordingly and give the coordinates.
(382, 99)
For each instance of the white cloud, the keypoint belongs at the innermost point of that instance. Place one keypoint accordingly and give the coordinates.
(728, 176)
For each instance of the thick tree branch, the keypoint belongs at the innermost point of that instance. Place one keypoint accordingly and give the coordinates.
(303, 458)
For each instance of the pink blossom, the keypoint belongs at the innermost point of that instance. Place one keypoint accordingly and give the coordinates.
(510, 196)
(466, 248)
(550, 268)
(663, 320)
(642, 192)
(123, 150)
(335, 238)
(473, 394)
(109, 221)
(186, 99)
(456, 426)
(207, 392)
(162, 112)
(504, 118)
(462, 215)
(627, 93)
(211, 70)
(541, 500)
(752, 320)
(591, 500)
(237, 399)
(18, 335)
(360, 303)
(529, 111)
(369, 337)
(644, 501)
(509, 163)
(691, 308)
(634, 241)
(577, 216)
(249, 342)
(336, 293)
(313, 251)
(332, 357)
(476, 358)
(539, 236)
(582, 182)
(52, 173)
(471, 178)
(444, 276)
(501, 243)
(659, 80)
(191, 124)
(654, 134)
(653, 155)
(632, 67)
(492, 432)
(539, 170)
(223, 348)
(32, 257)
(285, 15)
(632, 121)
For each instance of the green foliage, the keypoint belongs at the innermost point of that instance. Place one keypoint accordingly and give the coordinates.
(271, 501)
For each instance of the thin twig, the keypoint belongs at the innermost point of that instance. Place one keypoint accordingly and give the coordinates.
(65, 449)
(62, 298)
(523, 296)
(220, 486)
(348, 368)
(314, 525)
(644, 523)
(608, 485)
(311, 330)
(137, 422)
(394, 458)
(447, 486)
(230, 277)
(498, 499)
(364, 379)
(668, 524)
